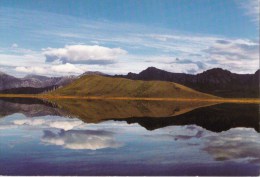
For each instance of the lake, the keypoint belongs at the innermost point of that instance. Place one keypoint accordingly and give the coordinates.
(80, 137)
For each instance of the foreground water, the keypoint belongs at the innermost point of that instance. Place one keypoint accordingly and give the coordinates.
(71, 137)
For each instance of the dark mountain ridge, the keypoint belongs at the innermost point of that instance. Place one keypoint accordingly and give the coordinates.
(28, 90)
(215, 81)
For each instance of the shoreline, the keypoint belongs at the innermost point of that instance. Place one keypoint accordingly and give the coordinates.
(52, 97)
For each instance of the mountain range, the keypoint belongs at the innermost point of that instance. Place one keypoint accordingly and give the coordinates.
(31, 83)
(215, 81)
(34, 84)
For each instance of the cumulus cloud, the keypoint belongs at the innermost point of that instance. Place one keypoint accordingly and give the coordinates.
(142, 41)
(81, 139)
(69, 68)
(235, 144)
(236, 55)
(83, 54)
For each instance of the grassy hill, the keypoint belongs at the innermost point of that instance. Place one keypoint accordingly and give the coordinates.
(102, 86)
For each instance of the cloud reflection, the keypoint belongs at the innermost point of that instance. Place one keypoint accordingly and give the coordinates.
(65, 124)
(81, 139)
(177, 133)
(238, 144)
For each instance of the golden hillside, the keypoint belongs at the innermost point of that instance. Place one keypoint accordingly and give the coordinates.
(102, 86)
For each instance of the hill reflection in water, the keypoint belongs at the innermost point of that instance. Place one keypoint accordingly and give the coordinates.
(149, 114)
(128, 138)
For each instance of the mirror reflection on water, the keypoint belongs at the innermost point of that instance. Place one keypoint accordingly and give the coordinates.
(80, 137)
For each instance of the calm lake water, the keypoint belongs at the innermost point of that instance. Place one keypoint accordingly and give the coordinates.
(73, 137)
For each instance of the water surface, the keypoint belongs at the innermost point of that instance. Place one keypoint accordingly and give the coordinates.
(74, 137)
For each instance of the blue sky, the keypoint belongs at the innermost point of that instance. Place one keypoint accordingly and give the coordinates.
(113, 36)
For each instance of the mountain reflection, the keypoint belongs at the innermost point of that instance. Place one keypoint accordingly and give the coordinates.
(149, 114)
(215, 118)
(30, 107)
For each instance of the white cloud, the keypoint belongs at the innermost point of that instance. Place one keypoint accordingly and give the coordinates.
(14, 45)
(237, 49)
(67, 68)
(51, 70)
(32, 69)
(252, 9)
(195, 55)
(181, 37)
(20, 59)
(85, 50)
(236, 55)
(88, 54)
(81, 139)
(66, 35)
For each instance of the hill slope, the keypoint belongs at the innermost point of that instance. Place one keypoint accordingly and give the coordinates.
(94, 85)
(215, 81)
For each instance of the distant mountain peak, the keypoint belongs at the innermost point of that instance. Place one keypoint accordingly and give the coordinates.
(31, 81)
(151, 69)
(31, 75)
(2, 73)
(35, 76)
(216, 71)
(93, 73)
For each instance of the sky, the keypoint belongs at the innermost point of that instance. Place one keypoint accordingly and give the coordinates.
(65, 37)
